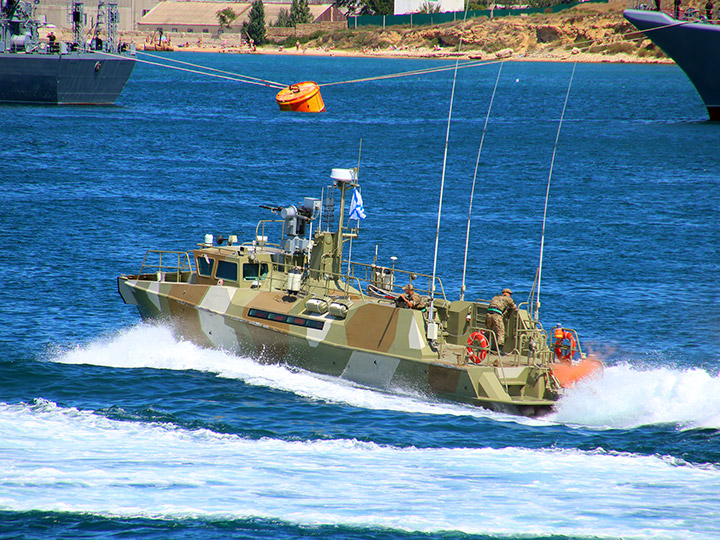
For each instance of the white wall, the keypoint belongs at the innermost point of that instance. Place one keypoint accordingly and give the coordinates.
(413, 6)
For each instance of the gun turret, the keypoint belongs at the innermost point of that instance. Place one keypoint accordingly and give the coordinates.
(296, 218)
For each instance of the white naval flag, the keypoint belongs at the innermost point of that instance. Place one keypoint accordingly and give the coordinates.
(357, 210)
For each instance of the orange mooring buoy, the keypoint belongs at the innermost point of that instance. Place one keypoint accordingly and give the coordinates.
(301, 97)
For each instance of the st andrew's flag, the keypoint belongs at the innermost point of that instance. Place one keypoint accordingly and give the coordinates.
(357, 210)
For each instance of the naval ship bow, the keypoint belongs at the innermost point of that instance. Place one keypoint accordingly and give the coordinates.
(298, 301)
(78, 72)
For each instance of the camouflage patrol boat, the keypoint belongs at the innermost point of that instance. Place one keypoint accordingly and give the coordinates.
(296, 300)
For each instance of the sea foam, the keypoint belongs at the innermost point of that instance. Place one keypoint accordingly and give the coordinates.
(63, 459)
(623, 396)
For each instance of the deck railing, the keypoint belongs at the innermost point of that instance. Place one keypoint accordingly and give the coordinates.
(165, 262)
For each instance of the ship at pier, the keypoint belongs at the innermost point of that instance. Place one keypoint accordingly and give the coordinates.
(81, 72)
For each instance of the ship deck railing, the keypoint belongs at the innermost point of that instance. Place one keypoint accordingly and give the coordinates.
(523, 330)
(368, 274)
(357, 274)
(261, 235)
(164, 265)
(689, 13)
(350, 283)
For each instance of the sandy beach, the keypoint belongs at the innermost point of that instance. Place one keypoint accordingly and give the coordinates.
(575, 55)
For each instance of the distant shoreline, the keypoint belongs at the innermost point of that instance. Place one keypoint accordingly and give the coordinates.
(429, 54)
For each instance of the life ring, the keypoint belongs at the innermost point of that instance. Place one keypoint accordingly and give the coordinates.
(561, 336)
(480, 338)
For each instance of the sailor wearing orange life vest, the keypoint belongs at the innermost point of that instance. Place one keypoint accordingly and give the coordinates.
(500, 306)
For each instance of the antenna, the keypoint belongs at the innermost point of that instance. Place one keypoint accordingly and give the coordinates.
(547, 195)
(432, 329)
(472, 190)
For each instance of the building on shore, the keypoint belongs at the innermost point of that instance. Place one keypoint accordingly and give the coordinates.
(170, 16)
(192, 17)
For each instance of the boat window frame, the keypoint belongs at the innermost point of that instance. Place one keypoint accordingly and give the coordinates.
(202, 262)
(259, 275)
(223, 265)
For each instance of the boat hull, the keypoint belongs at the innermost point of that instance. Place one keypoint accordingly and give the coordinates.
(693, 45)
(74, 79)
(380, 346)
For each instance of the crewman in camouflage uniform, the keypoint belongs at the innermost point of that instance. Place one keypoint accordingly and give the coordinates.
(410, 299)
(500, 306)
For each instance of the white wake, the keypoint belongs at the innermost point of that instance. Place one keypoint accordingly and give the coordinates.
(60, 459)
(622, 397)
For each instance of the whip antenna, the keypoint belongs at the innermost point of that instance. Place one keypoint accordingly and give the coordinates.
(547, 195)
(472, 190)
(432, 326)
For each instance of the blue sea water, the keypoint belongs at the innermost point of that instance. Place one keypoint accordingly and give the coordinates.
(111, 428)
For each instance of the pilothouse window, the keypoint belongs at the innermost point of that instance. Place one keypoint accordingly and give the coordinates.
(205, 265)
(253, 271)
(226, 270)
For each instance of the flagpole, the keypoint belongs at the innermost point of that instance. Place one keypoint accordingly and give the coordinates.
(357, 212)
(347, 277)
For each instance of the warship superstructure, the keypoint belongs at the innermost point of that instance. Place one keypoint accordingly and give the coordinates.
(295, 299)
(84, 71)
(693, 42)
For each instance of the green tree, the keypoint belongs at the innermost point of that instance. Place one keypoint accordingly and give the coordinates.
(366, 7)
(226, 17)
(300, 12)
(429, 7)
(284, 20)
(381, 7)
(255, 27)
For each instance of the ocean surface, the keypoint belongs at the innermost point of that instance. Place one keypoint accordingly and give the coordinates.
(113, 428)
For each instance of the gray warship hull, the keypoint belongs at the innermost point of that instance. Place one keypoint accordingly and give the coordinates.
(76, 78)
(693, 45)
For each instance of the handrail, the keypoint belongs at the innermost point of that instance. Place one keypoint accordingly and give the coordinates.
(370, 268)
(262, 223)
(355, 281)
(577, 341)
(185, 266)
(494, 341)
(278, 281)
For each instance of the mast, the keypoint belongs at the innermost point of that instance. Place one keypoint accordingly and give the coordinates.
(344, 180)
(76, 17)
(113, 19)
(349, 263)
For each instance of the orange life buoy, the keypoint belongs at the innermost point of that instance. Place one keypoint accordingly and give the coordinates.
(482, 340)
(561, 336)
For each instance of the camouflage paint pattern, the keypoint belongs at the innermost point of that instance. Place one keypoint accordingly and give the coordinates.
(295, 309)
